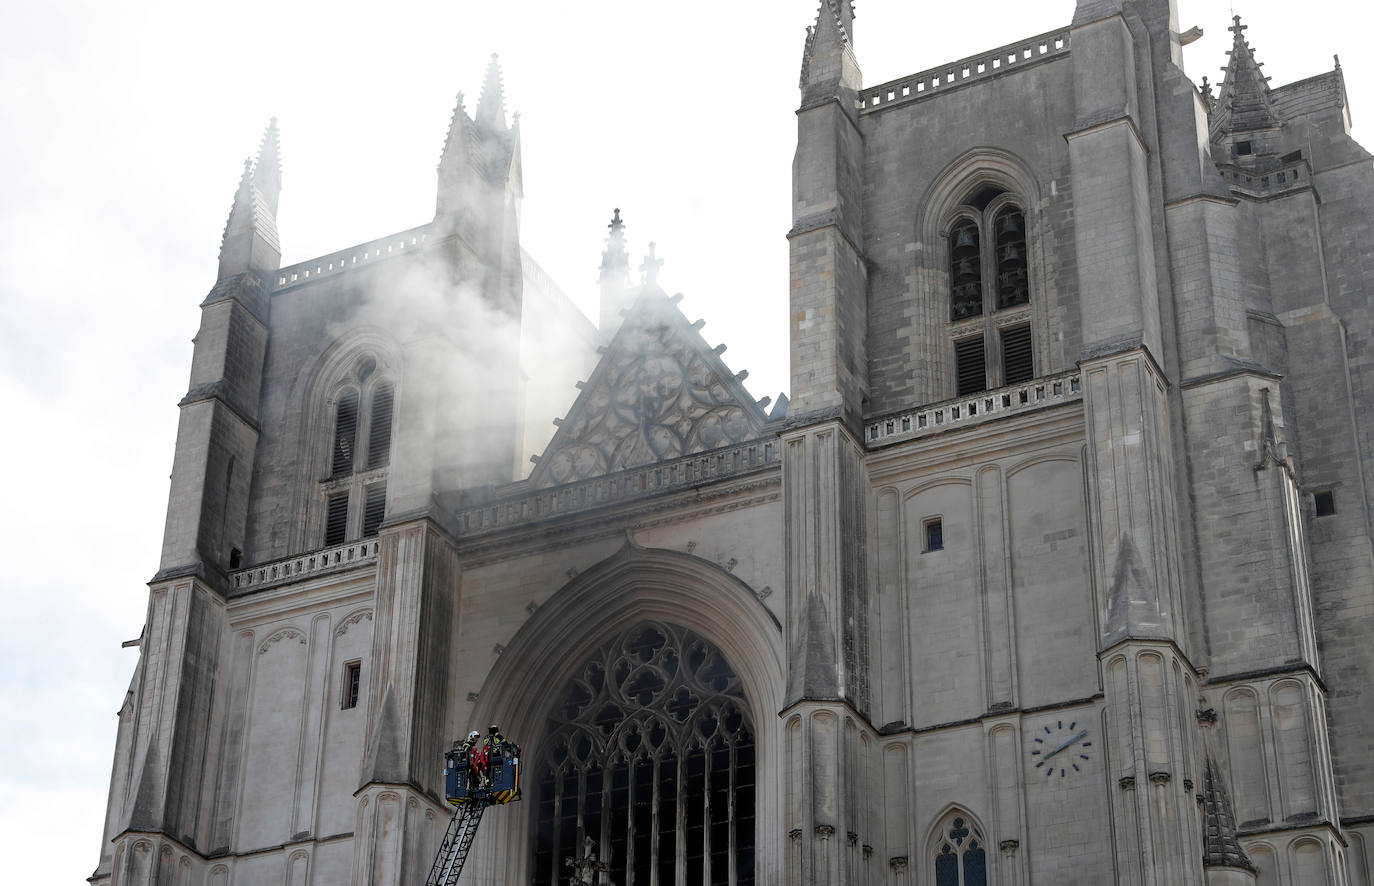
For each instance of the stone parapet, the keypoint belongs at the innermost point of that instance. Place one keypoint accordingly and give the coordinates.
(974, 409)
(1003, 59)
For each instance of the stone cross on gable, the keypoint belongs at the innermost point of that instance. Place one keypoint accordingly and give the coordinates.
(650, 266)
(587, 867)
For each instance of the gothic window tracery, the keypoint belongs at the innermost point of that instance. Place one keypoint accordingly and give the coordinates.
(960, 852)
(650, 755)
(989, 298)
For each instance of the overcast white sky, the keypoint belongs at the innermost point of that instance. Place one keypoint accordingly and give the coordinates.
(123, 127)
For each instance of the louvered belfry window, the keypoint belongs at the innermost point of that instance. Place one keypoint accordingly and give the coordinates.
(970, 365)
(989, 326)
(336, 519)
(374, 509)
(379, 428)
(1017, 362)
(650, 756)
(345, 433)
(354, 492)
(965, 271)
(1013, 284)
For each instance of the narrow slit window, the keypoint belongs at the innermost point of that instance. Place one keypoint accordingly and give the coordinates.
(374, 509)
(1018, 365)
(336, 519)
(352, 684)
(970, 367)
(345, 434)
(379, 430)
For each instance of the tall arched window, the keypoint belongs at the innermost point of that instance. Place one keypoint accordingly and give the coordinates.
(959, 853)
(650, 758)
(360, 451)
(989, 299)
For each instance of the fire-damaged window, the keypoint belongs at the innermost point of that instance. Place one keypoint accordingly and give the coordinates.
(353, 495)
(989, 298)
(649, 764)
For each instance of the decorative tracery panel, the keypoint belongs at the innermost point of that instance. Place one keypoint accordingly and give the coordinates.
(650, 758)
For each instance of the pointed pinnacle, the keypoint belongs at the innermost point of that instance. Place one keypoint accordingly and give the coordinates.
(454, 138)
(491, 106)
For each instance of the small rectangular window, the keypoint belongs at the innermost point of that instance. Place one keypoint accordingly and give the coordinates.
(352, 682)
(374, 509)
(969, 367)
(1244, 149)
(1325, 502)
(1017, 363)
(935, 535)
(336, 519)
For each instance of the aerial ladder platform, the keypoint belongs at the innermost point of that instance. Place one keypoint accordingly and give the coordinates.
(478, 773)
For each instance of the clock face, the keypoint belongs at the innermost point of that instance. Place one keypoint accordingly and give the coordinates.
(1060, 748)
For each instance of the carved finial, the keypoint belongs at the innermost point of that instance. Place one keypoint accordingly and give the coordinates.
(650, 267)
(615, 261)
(1206, 88)
(1337, 60)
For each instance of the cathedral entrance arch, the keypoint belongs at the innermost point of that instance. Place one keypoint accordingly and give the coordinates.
(645, 693)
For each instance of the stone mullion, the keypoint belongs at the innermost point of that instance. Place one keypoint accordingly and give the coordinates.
(557, 817)
(680, 863)
(730, 817)
(607, 810)
(629, 822)
(581, 807)
(654, 823)
(706, 816)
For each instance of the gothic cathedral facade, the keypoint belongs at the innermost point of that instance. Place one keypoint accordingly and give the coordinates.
(1057, 566)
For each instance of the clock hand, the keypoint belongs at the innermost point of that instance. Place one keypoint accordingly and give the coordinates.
(1081, 734)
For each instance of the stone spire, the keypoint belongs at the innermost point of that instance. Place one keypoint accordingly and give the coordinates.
(267, 170)
(828, 55)
(1244, 102)
(250, 240)
(491, 106)
(1221, 845)
(616, 286)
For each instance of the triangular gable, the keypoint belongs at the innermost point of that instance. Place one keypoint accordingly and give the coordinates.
(658, 393)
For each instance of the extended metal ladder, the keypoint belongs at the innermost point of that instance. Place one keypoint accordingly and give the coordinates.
(453, 852)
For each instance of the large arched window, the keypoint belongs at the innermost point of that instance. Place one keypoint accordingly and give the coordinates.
(650, 758)
(989, 298)
(360, 451)
(959, 852)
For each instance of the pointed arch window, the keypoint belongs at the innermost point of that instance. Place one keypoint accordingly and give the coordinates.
(960, 852)
(989, 297)
(650, 758)
(353, 496)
